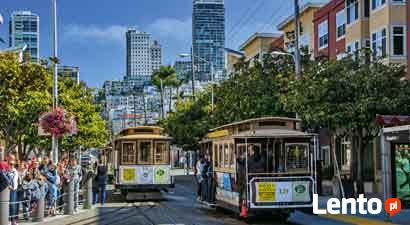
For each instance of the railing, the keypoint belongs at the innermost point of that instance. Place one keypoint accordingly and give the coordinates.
(36, 210)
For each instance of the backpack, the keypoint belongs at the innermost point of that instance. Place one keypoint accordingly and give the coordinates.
(5, 181)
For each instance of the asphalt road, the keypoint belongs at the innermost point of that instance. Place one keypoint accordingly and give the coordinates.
(180, 208)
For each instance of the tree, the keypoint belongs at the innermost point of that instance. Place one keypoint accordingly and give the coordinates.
(345, 96)
(161, 79)
(79, 100)
(24, 94)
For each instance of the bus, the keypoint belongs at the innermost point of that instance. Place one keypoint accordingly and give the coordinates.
(142, 163)
(263, 165)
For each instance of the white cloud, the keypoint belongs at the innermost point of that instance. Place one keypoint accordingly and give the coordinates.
(163, 28)
(114, 33)
(179, 30)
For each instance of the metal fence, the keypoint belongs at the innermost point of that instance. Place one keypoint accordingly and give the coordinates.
(35, 211)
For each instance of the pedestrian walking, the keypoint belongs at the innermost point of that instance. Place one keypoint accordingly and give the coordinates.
(13, 175)
(102, 181)
(76, 177)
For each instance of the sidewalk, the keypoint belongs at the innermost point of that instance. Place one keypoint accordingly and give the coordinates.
(64, 219)
(402, 218)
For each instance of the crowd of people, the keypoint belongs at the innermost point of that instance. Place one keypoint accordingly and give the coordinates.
(204, 177)
(34, 178)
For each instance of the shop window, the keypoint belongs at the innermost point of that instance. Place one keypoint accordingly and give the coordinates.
(128, 153)
(144, 153)
(161, 153)
(297, 157)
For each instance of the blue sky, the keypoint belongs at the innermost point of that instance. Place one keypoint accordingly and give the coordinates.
(91, 32)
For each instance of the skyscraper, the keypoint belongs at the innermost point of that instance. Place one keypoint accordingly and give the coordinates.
(144, 56)
(139, 65)
(25, 30)
(208, 37)
(156, 56)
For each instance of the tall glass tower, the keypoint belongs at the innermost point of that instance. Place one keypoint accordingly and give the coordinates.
(208, 38)
(25, 30)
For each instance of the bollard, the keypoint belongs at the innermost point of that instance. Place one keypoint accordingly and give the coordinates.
(4, 206)
(69, 198)
(88, 191)
(39, 211)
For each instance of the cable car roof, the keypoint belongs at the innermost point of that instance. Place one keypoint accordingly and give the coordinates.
(284, 119)
(144, 136)
(270, 133)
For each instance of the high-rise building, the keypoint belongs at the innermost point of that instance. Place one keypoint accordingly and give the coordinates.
(156, 56)
(70, 71)
(183, 69)
(25, 30)
(138, 55)
(208, 37)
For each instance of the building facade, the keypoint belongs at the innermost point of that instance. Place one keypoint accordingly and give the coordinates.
(330, 30)
(183, 69)
(24, 29)
(72, 72)
(258, 45)
(138, 55)
(156, 56)
(232, 57)
(208, 37)
(287, 26)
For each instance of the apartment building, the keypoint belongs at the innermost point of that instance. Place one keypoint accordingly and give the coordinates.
(258, 45)
(329, 26)
(287, 26)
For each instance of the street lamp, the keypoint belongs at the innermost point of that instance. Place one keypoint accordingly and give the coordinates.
(54, 139)
(212, 73)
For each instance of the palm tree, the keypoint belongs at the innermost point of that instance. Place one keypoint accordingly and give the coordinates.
(160, 79)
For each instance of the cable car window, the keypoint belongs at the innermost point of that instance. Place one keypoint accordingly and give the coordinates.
(161, 153)
(128, 153)
(221, 155)
(144, 153)
(232, 156)
(297, 157)
(226, 156)
(216, 160)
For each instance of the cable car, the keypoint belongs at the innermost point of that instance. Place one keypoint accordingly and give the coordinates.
(142, 163)
(263, 165)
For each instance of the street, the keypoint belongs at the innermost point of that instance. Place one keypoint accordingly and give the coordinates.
(180, 207)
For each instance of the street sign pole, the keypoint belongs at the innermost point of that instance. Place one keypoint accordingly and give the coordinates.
(54, 141)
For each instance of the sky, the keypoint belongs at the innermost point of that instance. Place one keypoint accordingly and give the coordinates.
(92, 32)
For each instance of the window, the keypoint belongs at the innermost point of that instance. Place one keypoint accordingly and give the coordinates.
(297, 157)
(352, 9)
(323, 34)
(144, 153)
(377, 3)
(128, 153)
(161, 153)
(398, 40)
(345, 154)
(353, 49)
(226, 156)
(340, 24)
(233, 156)
(326, 155)
(379, 43)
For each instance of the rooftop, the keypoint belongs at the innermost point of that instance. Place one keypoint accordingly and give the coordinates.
(259, 35)
(303, 9)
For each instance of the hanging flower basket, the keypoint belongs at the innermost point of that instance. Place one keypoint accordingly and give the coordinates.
(58, 122)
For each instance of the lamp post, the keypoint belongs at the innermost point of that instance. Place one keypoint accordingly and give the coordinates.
(212, 73)
(54, 139)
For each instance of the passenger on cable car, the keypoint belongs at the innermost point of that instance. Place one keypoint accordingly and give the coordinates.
(256, 163)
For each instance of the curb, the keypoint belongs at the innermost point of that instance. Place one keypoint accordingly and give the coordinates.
(355, 220)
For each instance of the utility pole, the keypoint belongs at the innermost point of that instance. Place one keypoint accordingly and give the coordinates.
(212, 86)
(298, 66)
(54, 139)
(193, 72)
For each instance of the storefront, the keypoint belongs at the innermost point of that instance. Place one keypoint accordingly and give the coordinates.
(395, 159)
